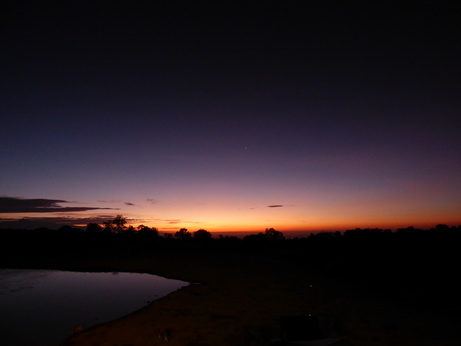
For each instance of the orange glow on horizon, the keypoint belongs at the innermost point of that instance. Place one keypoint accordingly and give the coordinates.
(322, 227)
(252, 215)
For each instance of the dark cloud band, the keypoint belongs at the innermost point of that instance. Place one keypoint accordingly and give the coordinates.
(41, 205)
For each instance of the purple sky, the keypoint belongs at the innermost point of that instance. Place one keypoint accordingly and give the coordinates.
(205, 115)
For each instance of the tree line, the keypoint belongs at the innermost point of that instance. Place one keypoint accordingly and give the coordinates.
(409, 264)
(118, 225)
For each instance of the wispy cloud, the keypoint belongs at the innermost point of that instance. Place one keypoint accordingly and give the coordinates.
(129, 203)
(275, 206)
(175, 221)
(170, 221)
(152, 201)
(61, 220)
(40, 205)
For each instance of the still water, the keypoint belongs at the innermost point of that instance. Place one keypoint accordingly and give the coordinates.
(41, 307)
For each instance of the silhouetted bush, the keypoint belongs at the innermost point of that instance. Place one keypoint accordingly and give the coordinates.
(145, 231)
(93, 228)
(271, 233)
(202, 235)
(183, 234)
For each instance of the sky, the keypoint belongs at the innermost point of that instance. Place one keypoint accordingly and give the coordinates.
(319, 115)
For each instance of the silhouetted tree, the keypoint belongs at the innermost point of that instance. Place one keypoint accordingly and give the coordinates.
(93, 227)
(202, 234)
(108, 226)
(254, 238)
(271, 233)
(65, 228)
(183, 234)
(119, 223)
(147, 231)
(442, 227)
(407, 230)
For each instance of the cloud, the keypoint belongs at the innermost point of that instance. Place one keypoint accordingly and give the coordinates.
(170, 221)
(129, 203)
(175, 221)
(40, 205)
(276, 206)
(59, 220)
(151, 201)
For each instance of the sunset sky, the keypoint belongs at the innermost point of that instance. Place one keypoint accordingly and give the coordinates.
(298, 116)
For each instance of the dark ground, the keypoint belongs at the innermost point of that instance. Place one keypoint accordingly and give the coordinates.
(381, 289)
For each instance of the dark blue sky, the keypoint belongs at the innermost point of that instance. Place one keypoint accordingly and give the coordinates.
(204, 114)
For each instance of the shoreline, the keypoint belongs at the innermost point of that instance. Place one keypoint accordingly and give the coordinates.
(240, 303)
(365, 294)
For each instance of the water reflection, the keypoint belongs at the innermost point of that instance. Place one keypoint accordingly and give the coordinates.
(39, 307)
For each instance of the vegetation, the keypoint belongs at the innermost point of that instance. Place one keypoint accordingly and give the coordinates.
(114, 232)
(408, 266)
(420, 261)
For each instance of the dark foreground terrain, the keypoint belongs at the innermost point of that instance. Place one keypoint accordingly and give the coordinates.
(371, 287)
